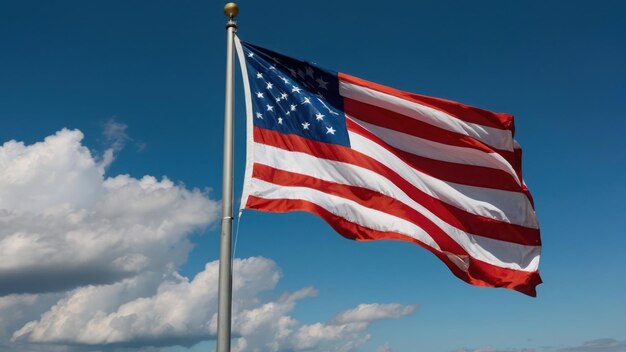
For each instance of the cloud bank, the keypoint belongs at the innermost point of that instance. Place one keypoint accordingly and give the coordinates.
(183, 312)
(597, 345)
(90, 262)
(64, 225)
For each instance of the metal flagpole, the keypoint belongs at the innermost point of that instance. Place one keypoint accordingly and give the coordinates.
(225, 282)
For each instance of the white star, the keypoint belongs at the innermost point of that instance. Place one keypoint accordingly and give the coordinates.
(250, 54)
(309, 71)
(296, 89)
(293, 107)
(273, 67)
(305, 125)
(287, 113)
(278, 99)
(259, 115)
(269, 85)
(284, 79)
(319, 116)
(321, 83)
(270, 108)
(330, 130)
(307, 100)
(283, 96)
(259, 95)
(280, 120)
(259, 75)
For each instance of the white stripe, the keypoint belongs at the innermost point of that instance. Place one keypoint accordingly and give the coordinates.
(249, 127)
(509, 255)
(345, 208)
(348, 174)
(439, 151)
(494, 137)
(501, 205)
(345, 173)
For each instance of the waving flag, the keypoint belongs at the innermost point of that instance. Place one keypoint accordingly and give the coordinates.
(379, 163)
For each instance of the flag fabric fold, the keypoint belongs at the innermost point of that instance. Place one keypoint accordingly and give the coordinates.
(378, 163)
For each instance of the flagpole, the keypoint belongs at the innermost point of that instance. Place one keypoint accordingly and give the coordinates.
(225, 281)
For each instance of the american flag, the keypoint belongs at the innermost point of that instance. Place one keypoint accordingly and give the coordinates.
(378, 163)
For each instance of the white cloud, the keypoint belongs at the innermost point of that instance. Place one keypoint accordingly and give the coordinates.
(384, 348)
(598, 345)
(115, 134)
(58, 171)
(63, 224)
(90, 263)
(493, 349)
(183, 312)
(372, 312)
(15, 311)
(116, 138)
(19, 308)
(345, 332)
(180, 311)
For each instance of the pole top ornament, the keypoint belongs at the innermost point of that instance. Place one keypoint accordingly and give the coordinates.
(231, 10)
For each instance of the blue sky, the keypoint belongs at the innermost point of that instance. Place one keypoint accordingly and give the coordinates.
(157, 68)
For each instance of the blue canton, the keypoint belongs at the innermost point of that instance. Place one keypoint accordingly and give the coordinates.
(295, 97)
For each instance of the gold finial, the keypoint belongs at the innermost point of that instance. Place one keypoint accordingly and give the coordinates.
(231, 10)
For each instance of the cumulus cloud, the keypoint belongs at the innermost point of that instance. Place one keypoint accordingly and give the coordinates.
(384, 348)
(598, 345)
(372, 312)
(493, 349)
(345, 332)
(90, 262)
(179, 312)
(63, 224)
(183, 312)
(57, 171)
(16, 310)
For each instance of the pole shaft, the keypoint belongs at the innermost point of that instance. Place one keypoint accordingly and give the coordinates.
(225, 279)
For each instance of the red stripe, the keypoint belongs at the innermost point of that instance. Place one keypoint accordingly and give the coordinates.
(478, 273)
(471, 175)
(518, 169)
(454, 216)
(360, 195)
(392, 120)
(457, 110)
